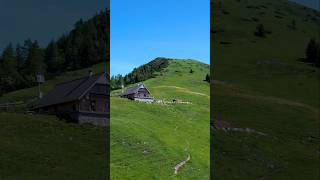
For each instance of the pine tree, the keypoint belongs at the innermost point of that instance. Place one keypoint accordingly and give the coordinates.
(8, 60)
(53, 58)
(11, 78)
(24, 57)
(20, 56)
(35, 60)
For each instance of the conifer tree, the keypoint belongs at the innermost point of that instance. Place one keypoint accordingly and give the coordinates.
(53, 58)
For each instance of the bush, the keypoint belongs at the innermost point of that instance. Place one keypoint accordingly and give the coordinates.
(311, 51)
(207, 78)
(260, 31)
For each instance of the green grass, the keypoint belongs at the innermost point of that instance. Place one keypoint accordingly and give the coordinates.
(148, 140)
(279, 99)
(43, 147)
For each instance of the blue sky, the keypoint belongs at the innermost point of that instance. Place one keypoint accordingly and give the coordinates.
(142, 30)
(42, 20)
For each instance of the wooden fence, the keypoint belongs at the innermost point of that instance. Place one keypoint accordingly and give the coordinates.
(12, 107)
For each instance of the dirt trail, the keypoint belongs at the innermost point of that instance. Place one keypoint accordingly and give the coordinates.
(226, 127)
(272, 99)
(178, 166)
(279, 101)
(184, 90)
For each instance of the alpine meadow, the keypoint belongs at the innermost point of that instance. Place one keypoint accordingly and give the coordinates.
(265, 90)
(149, 140)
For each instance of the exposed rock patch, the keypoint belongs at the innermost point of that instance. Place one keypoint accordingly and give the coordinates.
(182, 163)
(226, 127)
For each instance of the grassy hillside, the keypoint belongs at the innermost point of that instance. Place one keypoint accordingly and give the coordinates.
(42, 147)
(148, 140)
(260, 84)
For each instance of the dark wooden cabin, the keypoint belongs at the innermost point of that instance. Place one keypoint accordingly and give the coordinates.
(138, 93)
(84, 100)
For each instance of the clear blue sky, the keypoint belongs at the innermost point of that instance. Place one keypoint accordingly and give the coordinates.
(42, 20)
(142, 30)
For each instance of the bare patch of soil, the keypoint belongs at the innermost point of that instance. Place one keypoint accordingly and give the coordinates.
(226, 127)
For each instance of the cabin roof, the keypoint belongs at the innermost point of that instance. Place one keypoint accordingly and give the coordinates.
(135, 89)
(69, 91)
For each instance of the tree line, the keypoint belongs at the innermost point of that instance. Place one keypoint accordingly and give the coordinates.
(139, 74)
(85, 45)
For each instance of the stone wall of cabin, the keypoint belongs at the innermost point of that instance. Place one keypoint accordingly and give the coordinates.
(146, 100)
(96, 119)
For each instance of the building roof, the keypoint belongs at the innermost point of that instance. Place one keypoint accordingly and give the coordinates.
(69, 91)
(134, 89)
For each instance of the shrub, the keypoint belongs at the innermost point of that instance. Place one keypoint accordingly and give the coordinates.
(260, 31)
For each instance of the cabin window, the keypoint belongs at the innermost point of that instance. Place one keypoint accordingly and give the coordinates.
(93, 105)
